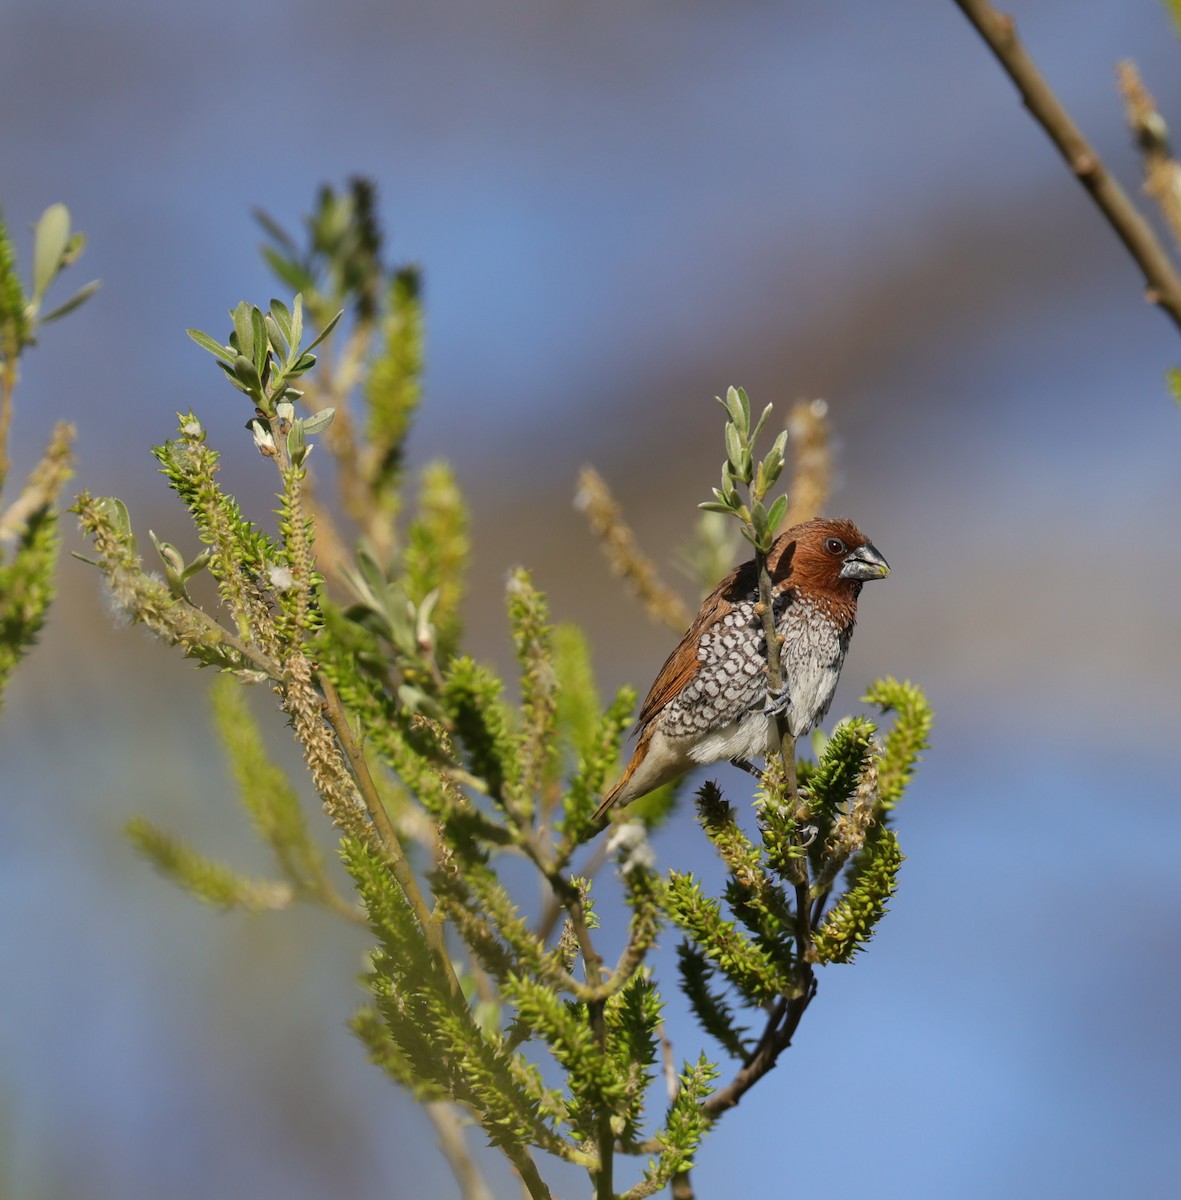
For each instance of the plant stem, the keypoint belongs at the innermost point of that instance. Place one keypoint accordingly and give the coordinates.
(387, 835)
(999, 33)
(453, 1146)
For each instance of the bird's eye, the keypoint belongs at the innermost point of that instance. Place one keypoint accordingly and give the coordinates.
(834, 546)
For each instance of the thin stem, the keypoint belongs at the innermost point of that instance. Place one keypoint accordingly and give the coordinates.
(8, 356)
(999, 33)
(596, 1010)
(453, 1146)
(387, 835)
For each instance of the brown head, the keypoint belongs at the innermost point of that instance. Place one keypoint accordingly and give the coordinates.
(828, 557)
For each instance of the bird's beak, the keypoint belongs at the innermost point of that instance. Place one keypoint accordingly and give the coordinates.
(865, 562)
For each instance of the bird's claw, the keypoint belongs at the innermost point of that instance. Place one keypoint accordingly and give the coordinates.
(745, 764)
(777, 703)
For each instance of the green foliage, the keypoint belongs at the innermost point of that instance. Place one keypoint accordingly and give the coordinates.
(268, 796)
(752, 971)
(757, 522)
(908, 739)
(444, 782)
(437, 552)
(210, 882)
(26, 588)
(394, 386)
(850, 924)
(709, 1006)
(28, 524)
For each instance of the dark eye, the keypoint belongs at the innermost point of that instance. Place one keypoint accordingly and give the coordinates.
(834, 546)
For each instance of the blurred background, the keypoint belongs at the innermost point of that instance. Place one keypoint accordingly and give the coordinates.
(621, 208)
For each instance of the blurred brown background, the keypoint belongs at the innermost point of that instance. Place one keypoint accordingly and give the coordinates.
(622, 208)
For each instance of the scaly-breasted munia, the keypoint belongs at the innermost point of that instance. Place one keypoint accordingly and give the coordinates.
(710, 701)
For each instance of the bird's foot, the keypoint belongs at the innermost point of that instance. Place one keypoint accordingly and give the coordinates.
(777, 703)
(746, 765)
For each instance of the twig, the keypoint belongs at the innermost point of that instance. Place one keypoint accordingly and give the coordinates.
(627, 560)
(596, 1006)
(1162, 172)
(387, 835)
(453, 1145)
(998, 31)
(811, 476)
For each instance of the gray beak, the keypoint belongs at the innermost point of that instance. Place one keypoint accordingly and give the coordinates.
(865, 562)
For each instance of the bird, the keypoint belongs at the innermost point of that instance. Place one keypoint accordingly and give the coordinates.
(711, 700)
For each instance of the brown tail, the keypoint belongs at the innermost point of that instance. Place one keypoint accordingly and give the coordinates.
(612, 798)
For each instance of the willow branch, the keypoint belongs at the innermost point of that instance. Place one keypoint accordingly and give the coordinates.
(999, 33)
(453, 1144)
(388, 837)
(1162, 172)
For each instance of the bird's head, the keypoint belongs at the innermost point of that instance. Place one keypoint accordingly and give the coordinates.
(827, 555)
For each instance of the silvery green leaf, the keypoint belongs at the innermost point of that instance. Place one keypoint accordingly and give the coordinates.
(287, 269)
(258, 332)
(247, 374)
(50, 239)
(282, 316)
(754, 437)
(777, 513)
(295, 443)
(318, 421)
(734, 447)
(79, 297)
(274, 230)
(276, 338)
(207, 343)
(169, 554)
(244, 330)
(74, 248)
(739, 414)
(371, 573)
(116, 512)
(197, 565)
(325, 331)
(296, 322)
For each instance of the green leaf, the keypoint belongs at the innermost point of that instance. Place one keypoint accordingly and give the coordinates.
(282, 317)
(243, 330)
(758, 429)
(50, 239)
(734, 448)
(288, 271)
(78, 298)
(258, 333)
(247, 374)
(737, 405)
(296, 322)
(214, 347)
(275, 231)
(318, 421)
(777, 513)
(324, 333)
(276, 338)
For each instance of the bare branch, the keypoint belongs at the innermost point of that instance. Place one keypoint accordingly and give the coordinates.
(999, 32)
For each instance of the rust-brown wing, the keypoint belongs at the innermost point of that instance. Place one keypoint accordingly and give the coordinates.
(681, 665)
